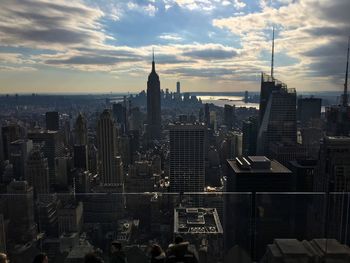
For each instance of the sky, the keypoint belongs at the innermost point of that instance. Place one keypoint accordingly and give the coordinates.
(93, 46)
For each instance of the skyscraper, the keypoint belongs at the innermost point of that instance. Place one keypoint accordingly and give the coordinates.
(187, 159)
(53, 147)
(107, 148)
(332, 175)
(80, 157)
(178, 90)
(338, 116)
(153, 104)
(22, 227)
(207, 114)
(80, 130)
(277, 115)
(10, 133)
(309, 109)
(334, 168)
(38, 172)
(229, 115)
(52, 121)
(250, 134)
(268, 84)
(19, 151)
(120, 115)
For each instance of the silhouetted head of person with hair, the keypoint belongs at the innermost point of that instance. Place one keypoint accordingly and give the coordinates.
(41, 258)
(117, 253)
(92, 258)
(180, 251)
(178, 239)
(157, 254)
(3, 258)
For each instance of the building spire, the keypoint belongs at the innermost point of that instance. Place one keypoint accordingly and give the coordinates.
(153, 64)
(345, 95)
(273, 50)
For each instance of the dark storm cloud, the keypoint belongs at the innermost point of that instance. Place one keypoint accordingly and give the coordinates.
(334, 50)
(334, 11)
(329, 59)
(211, 54)
(329, 31)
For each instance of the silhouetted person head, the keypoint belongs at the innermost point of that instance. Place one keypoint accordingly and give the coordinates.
(92, 258)
(156, 250)
(41, 258)
(157, 254)
(178, 239)
(3, 258)
(116, 246)
(117, 253)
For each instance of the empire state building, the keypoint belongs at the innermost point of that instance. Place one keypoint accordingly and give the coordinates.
(153, 104)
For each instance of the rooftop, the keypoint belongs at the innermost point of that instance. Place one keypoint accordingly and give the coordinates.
(257, 164)
(196, 221)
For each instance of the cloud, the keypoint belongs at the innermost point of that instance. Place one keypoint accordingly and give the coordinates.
(200, 72)
(205, 39)
(204, 5)
(174, 37)
(90, 60)
(59, 24)
(147, 8)
(171, 59)
(4, 68)
(238, 4)
(212, 53)
(306, 37)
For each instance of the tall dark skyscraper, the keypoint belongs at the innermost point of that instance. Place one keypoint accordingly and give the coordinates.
(107, 149)
(279, 122)
(338, 116)
(277, 112)
(178, 90)
(309, 109)
(53, 147)
(250, 134)
(80, 130)
(207, 114)
(153, 104)
(187, 160)
(22, 227)
(52, 121)
(229, 115)
(38, 172)
(10, 133)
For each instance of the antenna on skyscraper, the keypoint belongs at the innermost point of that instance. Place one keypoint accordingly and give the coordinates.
(273, 50)
(153, 65)
(345, 95)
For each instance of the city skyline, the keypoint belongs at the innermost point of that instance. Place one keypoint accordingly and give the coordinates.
(105, 46)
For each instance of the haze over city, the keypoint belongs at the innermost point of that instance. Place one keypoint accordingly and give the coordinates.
(221, 45)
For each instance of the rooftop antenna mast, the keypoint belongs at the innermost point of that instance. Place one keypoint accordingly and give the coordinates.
(273, 50)
(153, 65)
(345, 95)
